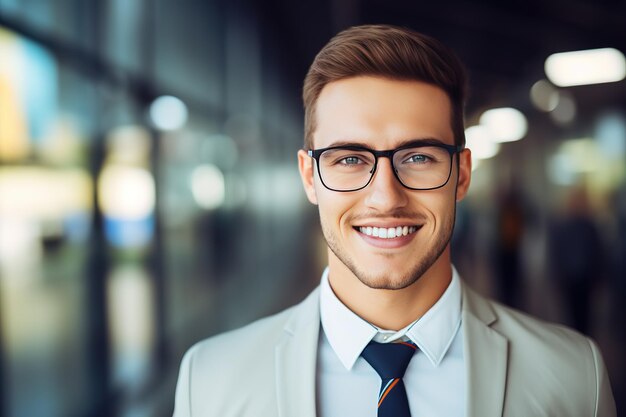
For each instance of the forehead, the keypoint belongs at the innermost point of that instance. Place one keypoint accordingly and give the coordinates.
(381, 113)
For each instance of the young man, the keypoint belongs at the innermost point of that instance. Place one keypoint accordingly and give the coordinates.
(392, 330)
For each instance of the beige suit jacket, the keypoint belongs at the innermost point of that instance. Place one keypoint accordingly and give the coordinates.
(516, 366)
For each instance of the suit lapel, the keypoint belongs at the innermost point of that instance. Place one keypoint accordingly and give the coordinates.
(296, 360)
(486, 355)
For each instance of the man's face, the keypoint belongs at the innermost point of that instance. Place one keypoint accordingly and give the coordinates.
(382, 114)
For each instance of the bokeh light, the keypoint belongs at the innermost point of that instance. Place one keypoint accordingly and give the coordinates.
(505, 124)
(593, 66)
(168, 113)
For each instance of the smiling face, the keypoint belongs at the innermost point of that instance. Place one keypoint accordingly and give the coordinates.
(385, 235)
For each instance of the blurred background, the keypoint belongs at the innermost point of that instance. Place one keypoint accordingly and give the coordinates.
(149, 195)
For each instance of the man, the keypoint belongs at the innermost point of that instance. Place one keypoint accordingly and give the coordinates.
(392, 330)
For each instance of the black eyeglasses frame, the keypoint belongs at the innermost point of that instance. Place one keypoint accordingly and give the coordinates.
(389, 153)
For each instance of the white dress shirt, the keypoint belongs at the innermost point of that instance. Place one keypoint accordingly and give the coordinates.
(435, 379)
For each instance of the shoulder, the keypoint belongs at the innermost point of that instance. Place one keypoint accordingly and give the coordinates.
(251, 347)
(540, 337)
(547, 361)
(238, 361)
(244, 343)
(523, 330)
(212, 368)
(539, 341)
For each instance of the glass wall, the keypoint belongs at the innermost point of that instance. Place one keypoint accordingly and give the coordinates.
(147, 193)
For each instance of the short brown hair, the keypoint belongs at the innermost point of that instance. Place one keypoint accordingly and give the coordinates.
(389, 52)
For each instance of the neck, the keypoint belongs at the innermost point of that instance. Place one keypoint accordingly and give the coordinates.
(390, 309)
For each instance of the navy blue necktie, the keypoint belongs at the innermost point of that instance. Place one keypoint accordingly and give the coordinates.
(390, 360)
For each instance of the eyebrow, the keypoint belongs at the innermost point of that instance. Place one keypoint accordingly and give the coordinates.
(408, 142)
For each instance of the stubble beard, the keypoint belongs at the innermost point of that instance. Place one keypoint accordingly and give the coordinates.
(389, 281)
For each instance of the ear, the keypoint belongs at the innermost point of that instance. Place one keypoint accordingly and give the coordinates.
(306, 167)
(465, 173)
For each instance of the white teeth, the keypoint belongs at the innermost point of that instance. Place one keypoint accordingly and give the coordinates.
(387, 233)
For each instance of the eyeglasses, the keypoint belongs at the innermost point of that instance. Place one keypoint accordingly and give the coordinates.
(417, 166)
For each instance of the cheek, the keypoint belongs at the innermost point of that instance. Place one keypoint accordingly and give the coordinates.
(439, 207)
(334, 207)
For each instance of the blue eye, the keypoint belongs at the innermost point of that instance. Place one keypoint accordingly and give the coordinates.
(350, 160)
(418, 159)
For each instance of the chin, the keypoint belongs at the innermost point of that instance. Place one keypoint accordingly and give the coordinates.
(392, 274)
(386, 280)
(387, 283)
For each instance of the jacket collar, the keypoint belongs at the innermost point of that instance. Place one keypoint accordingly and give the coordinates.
(296, 360)
(486, 356)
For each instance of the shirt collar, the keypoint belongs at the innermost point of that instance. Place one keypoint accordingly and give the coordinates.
(348, 334)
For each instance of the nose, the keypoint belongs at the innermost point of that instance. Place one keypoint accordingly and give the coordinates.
(385, 193)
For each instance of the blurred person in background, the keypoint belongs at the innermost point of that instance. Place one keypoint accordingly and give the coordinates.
(577, 255)
(392, 330)
(511, 225)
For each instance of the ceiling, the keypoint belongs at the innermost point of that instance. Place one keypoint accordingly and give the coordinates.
(503, 44)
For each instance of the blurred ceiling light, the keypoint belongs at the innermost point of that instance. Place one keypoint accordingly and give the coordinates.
(126, 193)
(565, 111)
(544, 96)
(168, 113)
(593, 66)
(505, 124)
(207, 186)
(478, 140)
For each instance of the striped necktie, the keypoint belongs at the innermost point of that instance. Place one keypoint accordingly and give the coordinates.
(390, 360)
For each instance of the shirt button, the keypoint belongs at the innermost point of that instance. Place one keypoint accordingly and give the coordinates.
(385, 337)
